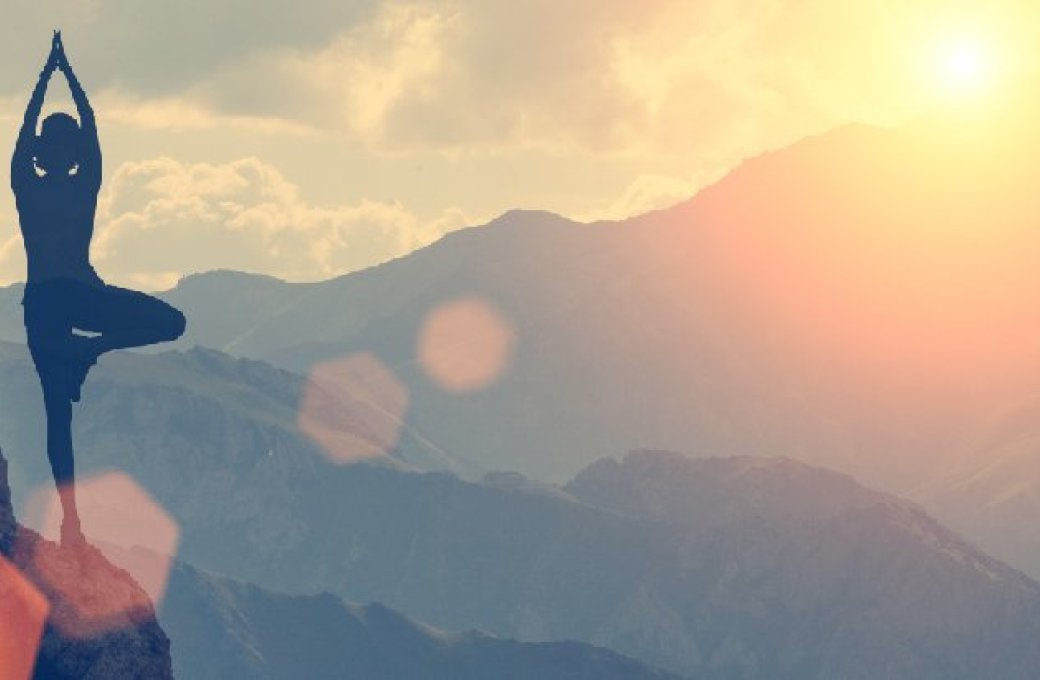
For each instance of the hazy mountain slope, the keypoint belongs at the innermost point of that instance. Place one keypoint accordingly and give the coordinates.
(665, 486)
(715, 496)
(561, 403)
(825, 588)
(260, 317)
(839, 300)
(992, 490)
(169, 412)
(863, 300)
(223, 629)
(853, 583)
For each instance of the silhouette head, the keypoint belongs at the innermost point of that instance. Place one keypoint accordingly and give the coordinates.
(58, 145)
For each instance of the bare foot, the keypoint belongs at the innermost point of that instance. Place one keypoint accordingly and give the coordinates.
(72, 534)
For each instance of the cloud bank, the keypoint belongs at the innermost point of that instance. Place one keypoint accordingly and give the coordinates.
(161, 218)
(594, 108)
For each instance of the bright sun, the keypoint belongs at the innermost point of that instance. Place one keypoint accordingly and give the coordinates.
(964, 67)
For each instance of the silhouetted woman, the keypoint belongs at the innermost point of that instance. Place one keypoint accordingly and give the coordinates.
(56, 177)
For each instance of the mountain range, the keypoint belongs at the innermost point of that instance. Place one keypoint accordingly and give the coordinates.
(736, 567)
(830, 305)
(224, 629)
(863, 300)
(100, 625)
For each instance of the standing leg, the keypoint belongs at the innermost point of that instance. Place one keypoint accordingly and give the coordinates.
(49, 332)
(59, 451)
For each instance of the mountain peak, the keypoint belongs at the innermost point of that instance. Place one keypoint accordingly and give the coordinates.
(670, 485)
(525, 217)
(226, 277)
(779, 493)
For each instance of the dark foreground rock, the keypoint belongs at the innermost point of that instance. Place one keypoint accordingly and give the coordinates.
(72, 611)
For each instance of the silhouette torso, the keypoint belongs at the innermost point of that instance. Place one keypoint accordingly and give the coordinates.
(56, 215)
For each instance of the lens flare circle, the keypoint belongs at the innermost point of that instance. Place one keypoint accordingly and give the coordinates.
(465, 345)
(353, 407)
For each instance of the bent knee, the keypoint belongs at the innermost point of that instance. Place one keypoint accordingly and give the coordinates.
(175, 324)
(166, 322)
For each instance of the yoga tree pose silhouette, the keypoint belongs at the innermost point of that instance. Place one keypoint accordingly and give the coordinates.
(56, 176)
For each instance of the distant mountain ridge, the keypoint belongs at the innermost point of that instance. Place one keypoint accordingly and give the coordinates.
(793, 573)
(695, 307)
(773, 585)
(169, 408)
(756, 319)
(223, 629)
(863, 300)
(721, 325)
(726, 595)
(663, 485)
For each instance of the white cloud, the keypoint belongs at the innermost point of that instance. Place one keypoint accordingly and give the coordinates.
(602, 76)
(647, 192)
(161, 218)
(12, 260)
(610, 76)
(443, 74)
(543, 103)
(178, 114)
(369, 70)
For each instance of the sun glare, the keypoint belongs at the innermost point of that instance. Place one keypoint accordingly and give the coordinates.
(964, 64)
(964, 67)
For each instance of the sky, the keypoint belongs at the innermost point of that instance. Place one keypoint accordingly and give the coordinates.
(309, 139)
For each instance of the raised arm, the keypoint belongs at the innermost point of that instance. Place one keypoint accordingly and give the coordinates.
(22, 160)
(90, 161)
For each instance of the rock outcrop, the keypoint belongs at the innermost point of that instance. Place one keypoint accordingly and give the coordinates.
(72, 612)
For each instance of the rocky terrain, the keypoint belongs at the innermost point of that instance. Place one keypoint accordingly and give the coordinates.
(70, 613)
